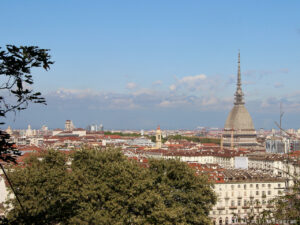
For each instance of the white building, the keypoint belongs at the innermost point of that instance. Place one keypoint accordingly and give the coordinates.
(243, 191)
(4, 193)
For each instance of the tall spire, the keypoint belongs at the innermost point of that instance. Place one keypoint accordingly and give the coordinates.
(239, 93)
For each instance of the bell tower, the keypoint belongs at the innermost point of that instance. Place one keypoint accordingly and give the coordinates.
(158, 137)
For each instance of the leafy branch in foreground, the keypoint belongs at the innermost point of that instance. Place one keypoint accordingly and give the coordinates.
(16, 83)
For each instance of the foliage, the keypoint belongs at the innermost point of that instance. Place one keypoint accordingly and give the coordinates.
(257, 217)
(104, 187)
(16, 81)
(194, 139)
(288, 206)
(187, 197)
(42, 188)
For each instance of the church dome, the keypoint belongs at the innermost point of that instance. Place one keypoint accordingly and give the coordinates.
(239, 119)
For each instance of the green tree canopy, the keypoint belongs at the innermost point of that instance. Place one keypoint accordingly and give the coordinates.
(16, 82)
(104, 187)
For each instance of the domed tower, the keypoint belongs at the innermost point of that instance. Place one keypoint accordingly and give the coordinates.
(158, 137)
(239, 129)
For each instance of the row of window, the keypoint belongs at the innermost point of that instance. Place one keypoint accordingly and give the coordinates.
(251, 186)
(246, 202)
(221, 212)
(263, 193)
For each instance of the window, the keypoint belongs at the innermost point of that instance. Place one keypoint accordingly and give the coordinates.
(239, 186)
(257, 192)
(251, 185)
(245, 202)
(279, 185)
(239, 202)
(245, 186)
(269, 185)
(232, 203)
(232, 186)
(257, 186)
(269, 192)
(263, 185)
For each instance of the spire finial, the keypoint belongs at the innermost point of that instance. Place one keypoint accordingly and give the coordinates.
(239, 93)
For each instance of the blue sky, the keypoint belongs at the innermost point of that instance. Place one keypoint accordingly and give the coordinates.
(136, 64)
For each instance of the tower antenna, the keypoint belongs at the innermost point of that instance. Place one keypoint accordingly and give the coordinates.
(280, 119)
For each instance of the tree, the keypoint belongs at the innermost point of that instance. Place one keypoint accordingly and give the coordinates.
(188, 198)
(288, 206)
(42, 188)
(104, 187)
(255, 217)
(16, 77)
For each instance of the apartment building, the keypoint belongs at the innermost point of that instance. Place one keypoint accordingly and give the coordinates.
(241, 192)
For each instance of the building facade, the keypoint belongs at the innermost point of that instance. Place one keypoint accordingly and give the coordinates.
(244, 192)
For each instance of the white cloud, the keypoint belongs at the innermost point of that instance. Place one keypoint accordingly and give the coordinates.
(131, 85)
(192, 83)
(210, 101)
(139, 99)
(199, 92)
(197, 83)
(78, 93)
(172, 87)
(157, 83)
(174, 103)
(192, 79)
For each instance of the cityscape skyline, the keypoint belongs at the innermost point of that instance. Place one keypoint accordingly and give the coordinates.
(150, 112)
(133, 65)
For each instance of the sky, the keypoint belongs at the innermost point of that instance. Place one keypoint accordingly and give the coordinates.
(136, 64)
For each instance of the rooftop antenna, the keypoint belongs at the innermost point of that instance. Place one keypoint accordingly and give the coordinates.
(281, 115)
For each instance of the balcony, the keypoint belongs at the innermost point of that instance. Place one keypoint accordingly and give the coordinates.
(232, 207)
(221, 208)
(257, 206)
(246, 207)
(264, 196)
(270, 206)
(240, 197)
